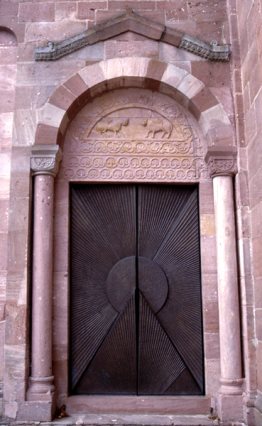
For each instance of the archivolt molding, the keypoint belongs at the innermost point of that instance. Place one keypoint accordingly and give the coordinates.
(130, 21)
(101, 77)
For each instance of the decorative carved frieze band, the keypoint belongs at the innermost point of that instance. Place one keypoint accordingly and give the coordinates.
(131, 21)
(212, 51)
(45, 159)
(222, 163)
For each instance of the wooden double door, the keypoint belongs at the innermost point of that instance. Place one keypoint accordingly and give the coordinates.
(135, 299)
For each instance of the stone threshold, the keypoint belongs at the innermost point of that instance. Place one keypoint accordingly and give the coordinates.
(126, 420)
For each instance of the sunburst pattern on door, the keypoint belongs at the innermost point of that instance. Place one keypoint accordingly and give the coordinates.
(136, 325)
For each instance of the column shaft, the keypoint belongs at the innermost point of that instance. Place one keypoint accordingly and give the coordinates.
(44, 165)
(229, 322)
(42, 274)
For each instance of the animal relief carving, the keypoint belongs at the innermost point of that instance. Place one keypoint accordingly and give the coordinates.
(156, 126)
(111, 125)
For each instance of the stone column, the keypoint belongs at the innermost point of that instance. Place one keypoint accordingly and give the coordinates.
(44, 165)
(222, 169)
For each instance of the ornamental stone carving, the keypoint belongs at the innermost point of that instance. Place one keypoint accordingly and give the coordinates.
(131, 21)
(212, 51)
(45, 159)
(222, 167)
(222, 163)
(133, 135)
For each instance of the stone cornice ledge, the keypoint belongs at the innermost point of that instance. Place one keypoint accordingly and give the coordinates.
(131, 21)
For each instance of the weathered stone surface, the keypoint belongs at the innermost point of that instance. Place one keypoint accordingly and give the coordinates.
(36, 12)
(135, 48)
(24, 127)
(65, 10)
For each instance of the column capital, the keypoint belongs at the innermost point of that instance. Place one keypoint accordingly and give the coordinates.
(45, 159)
(222, 162)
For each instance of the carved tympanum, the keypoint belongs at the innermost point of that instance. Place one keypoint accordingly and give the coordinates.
(133, 135)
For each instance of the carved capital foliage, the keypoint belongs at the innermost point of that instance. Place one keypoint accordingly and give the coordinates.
(222, 166)
(45, 159)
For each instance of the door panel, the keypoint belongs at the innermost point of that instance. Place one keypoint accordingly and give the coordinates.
(100, 216)
(136, 324)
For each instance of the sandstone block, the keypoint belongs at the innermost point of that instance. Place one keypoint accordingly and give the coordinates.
(76, 85)
(8, 8)
(224, 95)
(92, 75)
(207, 225)
(62, 98)
(146, 48)
(257, 264)
(212, 345)
(36, 12)
(4, 214)
(173, 76)
(135, 5)
(202, 101)
(156, 16)
(190, 86)
(36, 31)
(207, 10)
(6, 127)
(24, 127)
(216, 118)
(258, 293)
(65, 10)
(46, 134)
(8, 54)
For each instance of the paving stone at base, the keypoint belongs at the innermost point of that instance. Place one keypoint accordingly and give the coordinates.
(125, 420)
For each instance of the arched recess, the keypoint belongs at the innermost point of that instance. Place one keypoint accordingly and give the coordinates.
(53, 120)
(95, 79)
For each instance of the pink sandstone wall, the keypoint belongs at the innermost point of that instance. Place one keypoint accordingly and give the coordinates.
(8, 57)
(36, 22)
(250, 24)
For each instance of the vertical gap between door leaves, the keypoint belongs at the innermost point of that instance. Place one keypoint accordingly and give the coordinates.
(137, 301)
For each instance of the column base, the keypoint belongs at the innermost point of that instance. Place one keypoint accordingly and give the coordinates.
(39, 411)
(230, 408)
(231, 386)
(41, 389)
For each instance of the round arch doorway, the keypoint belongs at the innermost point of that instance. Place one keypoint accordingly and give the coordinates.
(136, 144)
